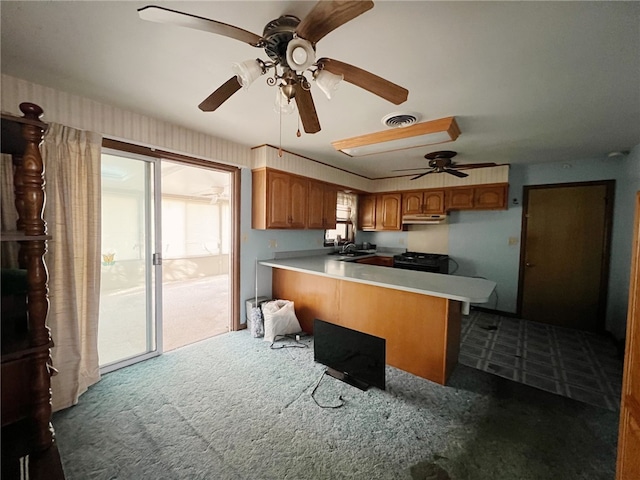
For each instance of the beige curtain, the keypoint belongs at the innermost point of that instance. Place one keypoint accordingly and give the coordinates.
(72, 212)
(8, 215)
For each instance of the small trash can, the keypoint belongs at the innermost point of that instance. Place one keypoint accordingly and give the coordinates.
(257, 330)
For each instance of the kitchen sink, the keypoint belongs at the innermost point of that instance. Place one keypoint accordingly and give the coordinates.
(353, 254)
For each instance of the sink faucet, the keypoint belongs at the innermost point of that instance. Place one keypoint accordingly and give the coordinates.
(347, 247)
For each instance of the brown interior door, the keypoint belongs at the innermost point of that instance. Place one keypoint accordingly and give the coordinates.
(564, 262)
(629, 439)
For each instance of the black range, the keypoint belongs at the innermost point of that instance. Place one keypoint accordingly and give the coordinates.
(423, 262)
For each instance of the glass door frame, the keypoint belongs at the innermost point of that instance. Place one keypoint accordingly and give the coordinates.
(153, 259)
(236, 186)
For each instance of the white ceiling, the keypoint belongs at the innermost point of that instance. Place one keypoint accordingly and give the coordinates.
(527, 82)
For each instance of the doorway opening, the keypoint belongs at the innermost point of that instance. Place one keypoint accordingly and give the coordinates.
(196, 240)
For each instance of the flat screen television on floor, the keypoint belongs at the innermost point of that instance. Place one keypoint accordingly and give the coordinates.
(354, 357)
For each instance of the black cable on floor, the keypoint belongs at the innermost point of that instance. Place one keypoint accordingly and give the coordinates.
(341, 404)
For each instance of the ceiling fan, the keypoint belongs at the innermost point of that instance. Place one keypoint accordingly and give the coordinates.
(440, 162)
(214, 193)
(290, 45)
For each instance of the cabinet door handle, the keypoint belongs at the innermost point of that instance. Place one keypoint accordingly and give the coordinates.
(529, 265)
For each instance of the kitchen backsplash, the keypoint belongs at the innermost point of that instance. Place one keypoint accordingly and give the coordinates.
(428, 238)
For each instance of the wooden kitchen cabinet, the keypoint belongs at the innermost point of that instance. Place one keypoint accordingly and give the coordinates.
(279, 200)
(459, 198)
(380, 212)
(389, 211)
(323, 199)
(367, 212)
(490, 197)
(481, 197)
(423, 201)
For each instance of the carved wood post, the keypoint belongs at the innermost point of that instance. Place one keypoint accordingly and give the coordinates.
(30, 200)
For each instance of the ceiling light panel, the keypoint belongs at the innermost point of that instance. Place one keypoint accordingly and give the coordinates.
(418, 135)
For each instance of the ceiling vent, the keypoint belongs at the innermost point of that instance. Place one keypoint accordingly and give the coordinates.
(399, 120)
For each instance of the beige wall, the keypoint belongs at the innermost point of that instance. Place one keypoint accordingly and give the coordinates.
(120, 124)
(428, 238)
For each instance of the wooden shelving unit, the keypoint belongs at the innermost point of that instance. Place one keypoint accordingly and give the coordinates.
(26, 339)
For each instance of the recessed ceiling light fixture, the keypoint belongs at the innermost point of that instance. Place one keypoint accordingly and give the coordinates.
(417, 135)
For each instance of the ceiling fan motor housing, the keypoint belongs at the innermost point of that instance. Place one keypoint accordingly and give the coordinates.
(276, 36)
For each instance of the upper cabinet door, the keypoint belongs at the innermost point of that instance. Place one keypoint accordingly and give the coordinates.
(460, 198)
(367, 212)
(433, 201)
(278, 200)
(388, 211)
(323, 201)
(298, 202)
(316, 205)
(411, 203)
(330, 206)
(490, 197)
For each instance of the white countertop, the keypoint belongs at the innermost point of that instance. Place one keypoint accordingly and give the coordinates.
(454, 287)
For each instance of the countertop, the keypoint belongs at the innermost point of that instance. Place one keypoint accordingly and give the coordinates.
(454, 287)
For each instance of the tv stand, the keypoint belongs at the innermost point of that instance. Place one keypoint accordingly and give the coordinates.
(346, 378)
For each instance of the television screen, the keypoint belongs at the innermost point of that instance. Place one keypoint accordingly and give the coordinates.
(354, 357)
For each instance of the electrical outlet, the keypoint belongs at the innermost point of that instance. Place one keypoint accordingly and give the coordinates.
(401, 241)
(513, 240)
(245, 237)
(273, 243)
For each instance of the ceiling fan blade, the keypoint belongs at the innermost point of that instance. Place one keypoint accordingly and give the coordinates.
(221, 95)
(474, 165)
(307, 110)
(326, 16)
(455, 173)
(422, 175)
(153, 13)
(407, 169)
(363, 79)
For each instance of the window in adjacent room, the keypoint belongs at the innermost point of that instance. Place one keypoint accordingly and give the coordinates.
(346, 214)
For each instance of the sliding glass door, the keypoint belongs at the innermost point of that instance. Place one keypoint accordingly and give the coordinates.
(196, 242)
(130, 293)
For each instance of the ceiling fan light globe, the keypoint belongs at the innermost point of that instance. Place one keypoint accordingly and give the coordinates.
(328, 82)
(300, 54)
(282, 104)
(247, 72)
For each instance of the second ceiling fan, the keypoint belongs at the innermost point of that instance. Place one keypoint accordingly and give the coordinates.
(290, 45)
(440, 162)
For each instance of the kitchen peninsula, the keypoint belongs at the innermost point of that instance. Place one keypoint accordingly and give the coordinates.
(418, 313)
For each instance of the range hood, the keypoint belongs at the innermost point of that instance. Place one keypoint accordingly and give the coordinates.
(424, 219)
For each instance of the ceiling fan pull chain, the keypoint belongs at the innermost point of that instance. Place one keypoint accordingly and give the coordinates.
(280, 115)
(298, 134)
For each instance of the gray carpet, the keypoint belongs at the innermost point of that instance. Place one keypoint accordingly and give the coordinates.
(231, 408)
